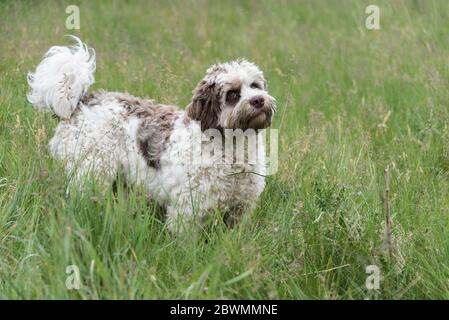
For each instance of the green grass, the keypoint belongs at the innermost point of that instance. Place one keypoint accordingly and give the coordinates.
(350, 103)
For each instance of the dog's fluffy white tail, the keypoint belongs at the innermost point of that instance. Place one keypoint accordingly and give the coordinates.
(62, 78)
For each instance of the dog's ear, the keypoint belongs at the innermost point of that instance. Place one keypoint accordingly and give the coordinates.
(205, 105)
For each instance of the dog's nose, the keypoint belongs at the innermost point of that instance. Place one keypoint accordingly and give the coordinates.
(257, 102)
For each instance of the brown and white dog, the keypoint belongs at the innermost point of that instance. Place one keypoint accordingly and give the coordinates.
(107, 133)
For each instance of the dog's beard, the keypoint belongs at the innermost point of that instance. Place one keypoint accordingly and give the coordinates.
(260, 121)
(246, 116)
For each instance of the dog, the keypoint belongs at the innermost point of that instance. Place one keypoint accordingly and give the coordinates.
(104, 134)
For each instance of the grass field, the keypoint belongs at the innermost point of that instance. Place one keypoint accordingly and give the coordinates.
(351, 102)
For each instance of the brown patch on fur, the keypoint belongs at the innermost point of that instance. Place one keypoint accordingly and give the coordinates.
(205, 105)
(155, 127)
(156, 122)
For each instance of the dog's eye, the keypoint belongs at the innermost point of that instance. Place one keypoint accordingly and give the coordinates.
(255, 85)
(232, 96)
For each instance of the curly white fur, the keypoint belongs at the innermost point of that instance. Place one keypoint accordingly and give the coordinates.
(62, 78)
(154, 145)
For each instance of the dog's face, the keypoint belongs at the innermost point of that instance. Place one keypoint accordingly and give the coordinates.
(232, 96)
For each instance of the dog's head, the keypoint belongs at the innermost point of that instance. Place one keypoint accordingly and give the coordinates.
(232, 95)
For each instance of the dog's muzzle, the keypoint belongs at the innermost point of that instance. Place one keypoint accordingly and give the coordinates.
(261, 113)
